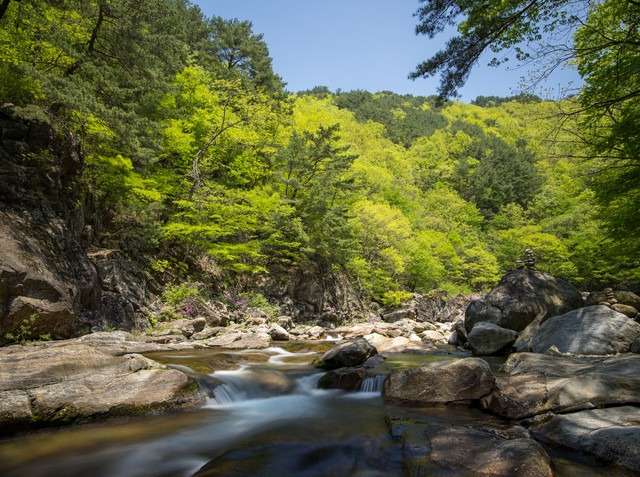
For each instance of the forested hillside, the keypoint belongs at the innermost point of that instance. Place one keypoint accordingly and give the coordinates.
(194, 148)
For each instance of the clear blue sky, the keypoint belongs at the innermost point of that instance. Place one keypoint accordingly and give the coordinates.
(359, 44)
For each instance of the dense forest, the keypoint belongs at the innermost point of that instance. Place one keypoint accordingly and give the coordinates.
(196, 150)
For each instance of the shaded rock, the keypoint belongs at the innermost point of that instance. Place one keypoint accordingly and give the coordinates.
(523, 342)
(593, 330)
(348, 379)
(486, 339)
(484, 453)
(612, 435)
(73, 382)
(541, 383)
(621, 297)
(278, 333)
(351, 353)
(520, 296)
(397, 315)
(626, 310)
(444, 382)
(635, 347)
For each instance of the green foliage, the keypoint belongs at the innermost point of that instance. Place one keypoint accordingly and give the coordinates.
(24, 334)
(396, 298)
(176, 294)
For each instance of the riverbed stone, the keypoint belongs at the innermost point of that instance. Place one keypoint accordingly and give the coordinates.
(487, 338)
(278, 333)
(593, 330)
(540, 383)
(612, 434)
(350, 353)
(347, 379)
(398, 344)
(446, 382)
(520, 296)
(73, 382)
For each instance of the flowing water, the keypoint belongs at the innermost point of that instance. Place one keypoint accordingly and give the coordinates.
(263, 416)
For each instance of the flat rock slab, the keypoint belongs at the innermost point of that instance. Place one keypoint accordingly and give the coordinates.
(593, 330)
(479, 447)
(541, 383)
(447, 382)
(612, 434)
(74, 382)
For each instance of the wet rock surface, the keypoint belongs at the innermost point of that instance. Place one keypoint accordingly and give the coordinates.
(447, 382)
(351, 353)
(613, 435)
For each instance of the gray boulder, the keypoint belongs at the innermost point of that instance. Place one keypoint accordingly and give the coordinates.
(278, 333)
(446, 382)
(635, 347)
(68, 382)
(486, 339)
(540, 383)
(520, 296)
(593, 330)
(350, 353)
(612, 435)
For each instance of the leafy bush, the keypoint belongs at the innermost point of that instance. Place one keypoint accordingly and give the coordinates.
(396, 298)
(176, 294)
(23, 334)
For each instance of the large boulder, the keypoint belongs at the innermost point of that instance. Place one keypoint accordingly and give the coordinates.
(540, 383)
(486, 339)
(520, 296)
(593, 330)
(61, 383)
(446, 382)
(350, 353)
(612, 435)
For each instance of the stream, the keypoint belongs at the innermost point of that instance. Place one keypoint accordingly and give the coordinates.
(263, 416)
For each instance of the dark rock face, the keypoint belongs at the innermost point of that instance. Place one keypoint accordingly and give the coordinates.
(486, 339)
(613, 435)
(447, 382)
(520, 296)
(595, 330)
(352, 353)
(44, 271)
(47, 281)
(348, 379)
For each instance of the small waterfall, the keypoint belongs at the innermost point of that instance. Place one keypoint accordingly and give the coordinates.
(333, 337)
(373, 384)
(240, 385)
